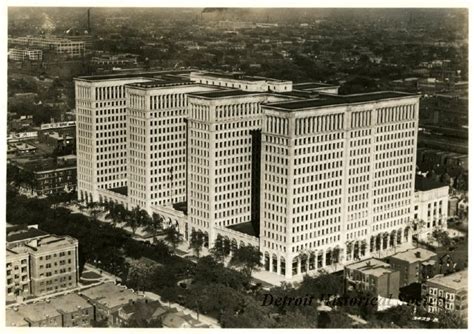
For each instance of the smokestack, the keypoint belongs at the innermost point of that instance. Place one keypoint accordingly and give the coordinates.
(89, 20)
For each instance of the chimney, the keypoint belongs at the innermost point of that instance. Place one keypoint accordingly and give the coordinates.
(89, 21)
(418, 254)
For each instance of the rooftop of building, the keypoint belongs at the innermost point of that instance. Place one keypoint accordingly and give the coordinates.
(70, 303)
(162, 81)
(15, 319)
(236, 76)
(174, 320)
(455, 281)
(144, 308)
(246, 228)
(24, 234)
(38, 311)
(372, 267)
(120, 190)
(312, 85)
(414, 255)
(427, 183)
(110, 295)
(131, 75)
(324, 100)
(224, 93)
(46, 164)
(181, 206)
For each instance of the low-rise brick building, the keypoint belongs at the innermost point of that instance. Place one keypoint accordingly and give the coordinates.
(415, 265)
(447, 293)
(373, 275)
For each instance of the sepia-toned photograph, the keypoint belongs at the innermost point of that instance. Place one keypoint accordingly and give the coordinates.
(224, 167)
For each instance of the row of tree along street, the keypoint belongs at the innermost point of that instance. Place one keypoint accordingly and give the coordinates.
(219, 285)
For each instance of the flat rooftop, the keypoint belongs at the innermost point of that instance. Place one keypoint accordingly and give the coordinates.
(414, 255)
(246, 228)
(160, 83)
(110, 295)
(426, 183)
(236, 76)
(223, 93)
(454, 281)
(372, 267)
(138, 74)
(70, 303)
(312, 85)
(330, 100)
(120, 190)
(25, 234)
(38, 311)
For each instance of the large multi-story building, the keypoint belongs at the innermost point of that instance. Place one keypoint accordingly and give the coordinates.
(157, 147)
(40, 264)
(101, 131)
(321, 174)
(337, 178)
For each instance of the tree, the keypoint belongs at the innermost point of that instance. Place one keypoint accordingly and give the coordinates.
(219, 251)
(196, 242)
(94, 210)
(138, 217)
(450, 319)
(442, 237)
(154, 225)
(114, 213)
(173, 237)
(247, 257)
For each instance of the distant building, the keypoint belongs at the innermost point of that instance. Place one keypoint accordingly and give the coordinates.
(415, 265)
(60, 46)
(24, 54)
(39, 263)
(430, 205)
(108, 299)
(114, 60)
(52, 175)
(447, 292)
(375, 276)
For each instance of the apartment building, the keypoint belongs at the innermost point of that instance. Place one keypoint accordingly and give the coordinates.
(337, 178)
(41, 264)
(374, 276)
(415, 265)
(447, 293)
(68, 310)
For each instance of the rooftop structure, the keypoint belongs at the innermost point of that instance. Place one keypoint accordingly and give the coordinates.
(454, 281)
(110, 295)
(372, 267)
(334, 100)
(414, 255)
